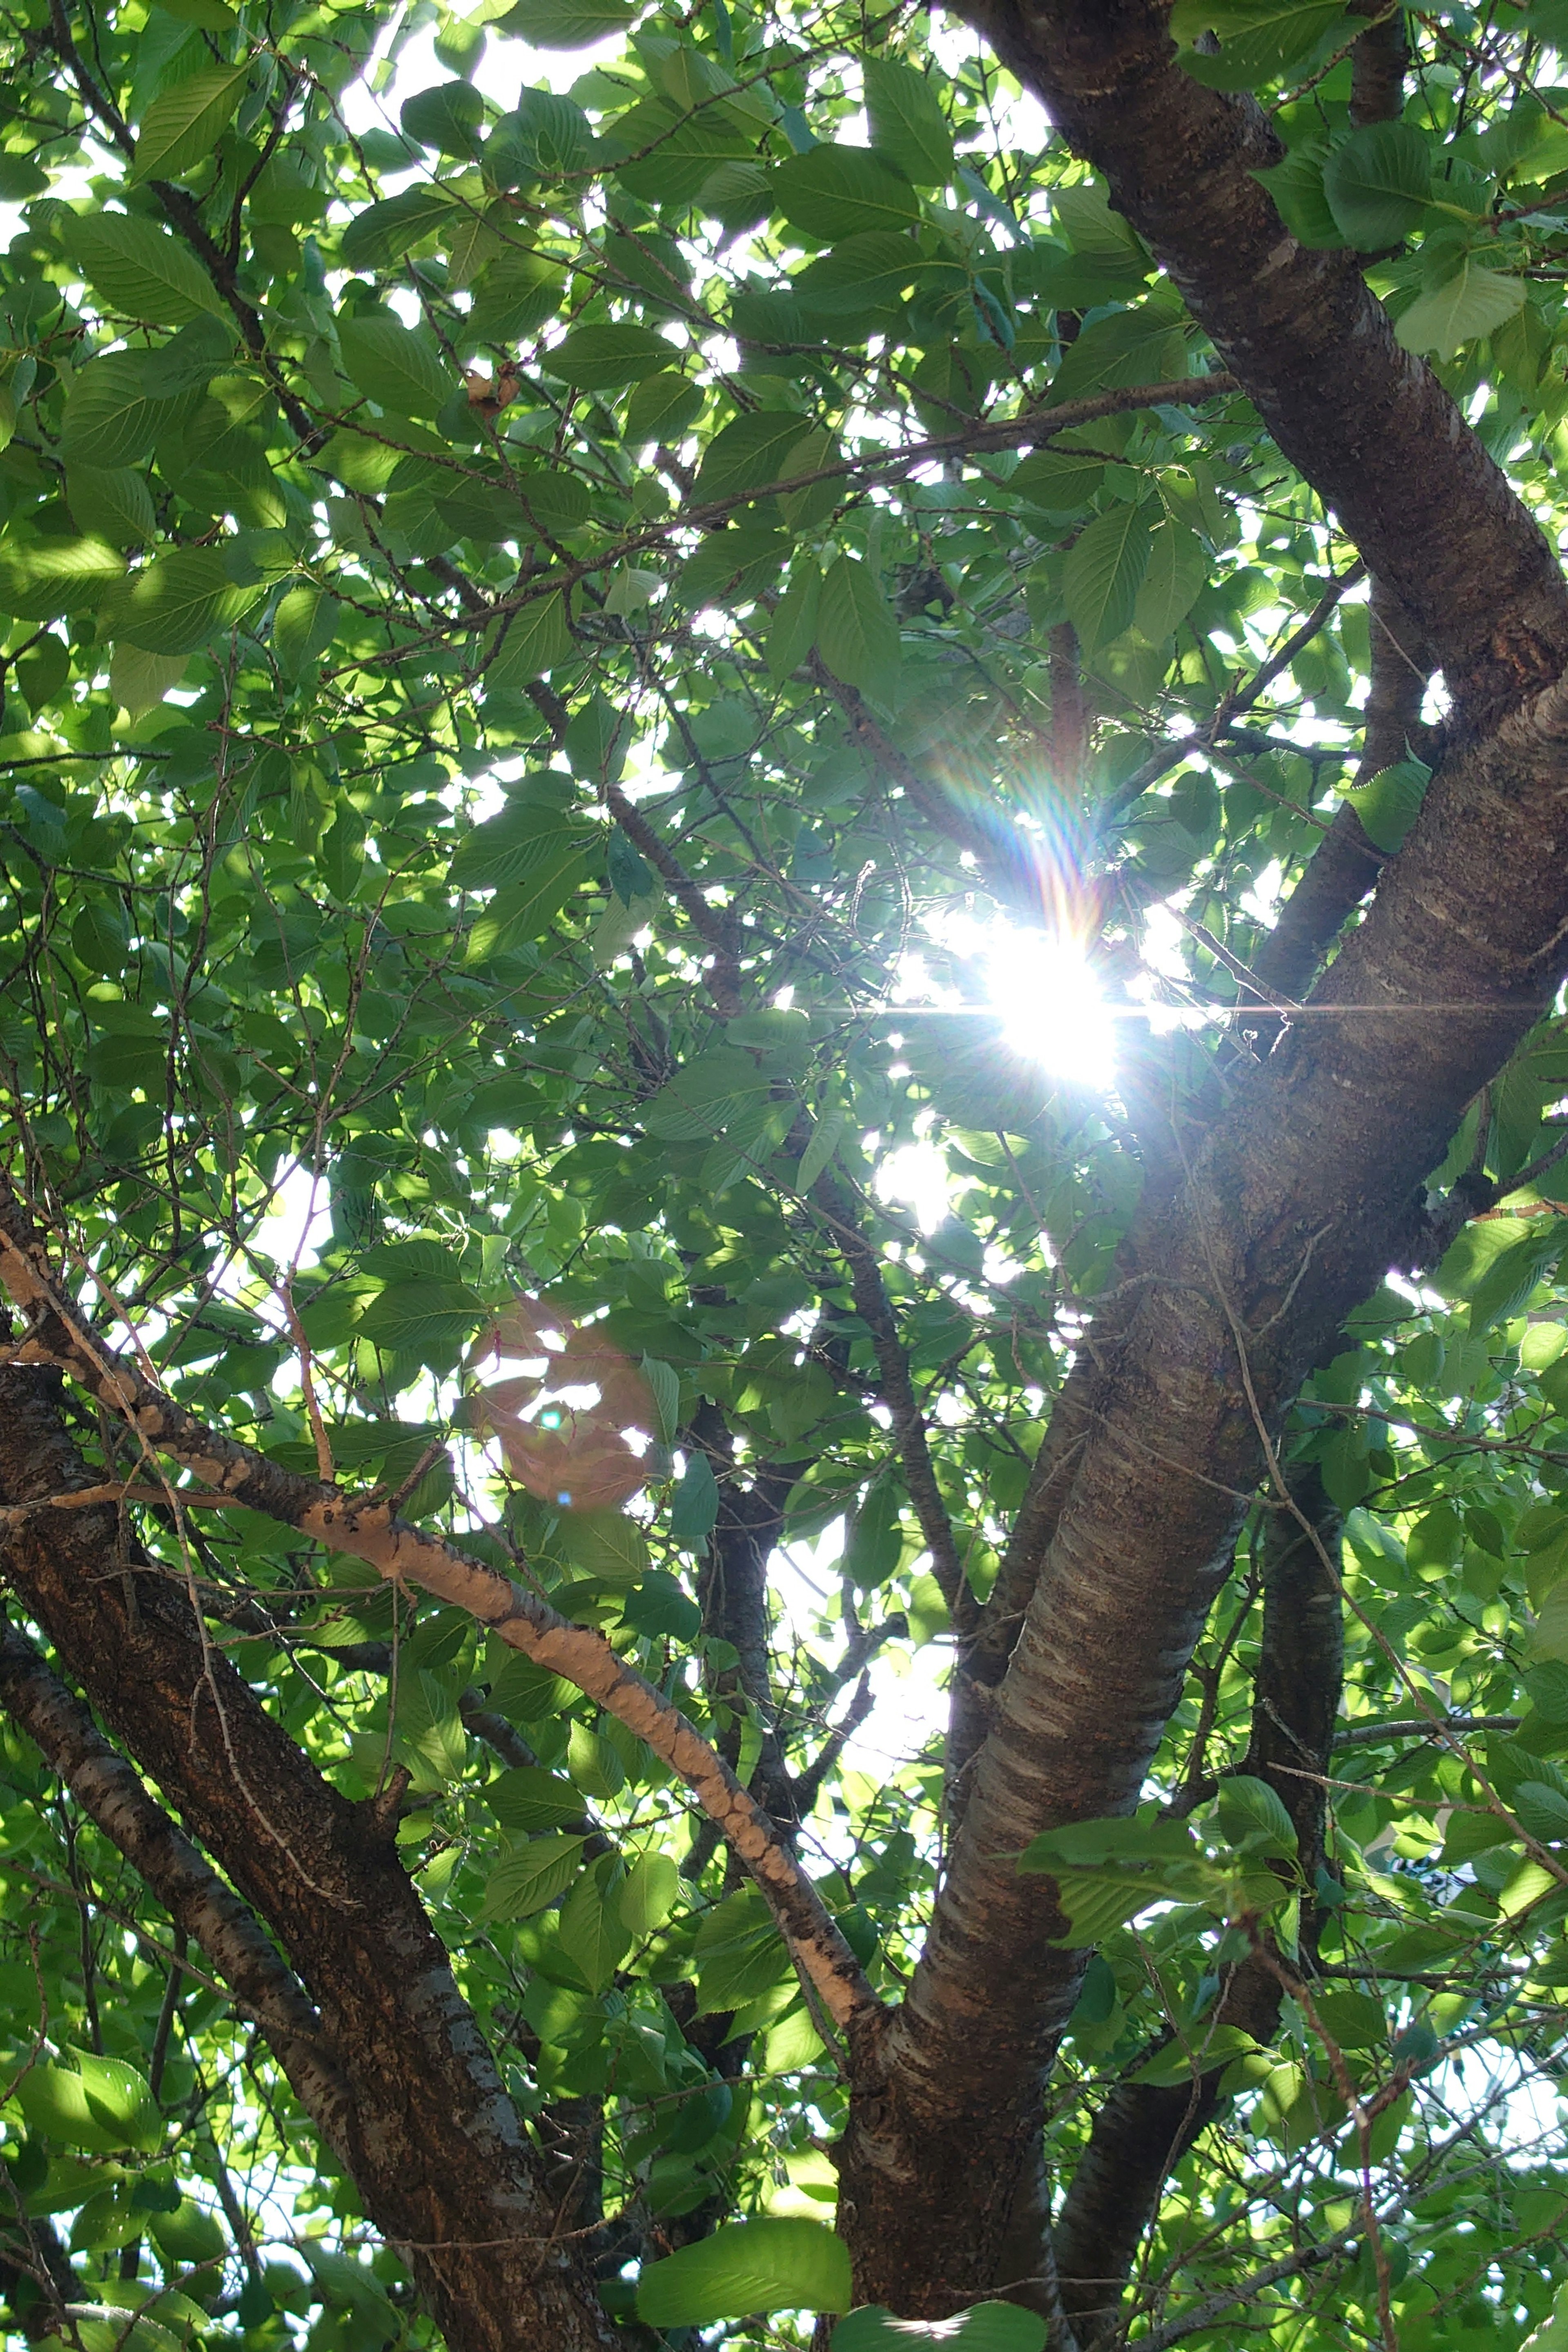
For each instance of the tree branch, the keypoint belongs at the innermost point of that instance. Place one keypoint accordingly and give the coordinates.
(711, 924)
(1291, 1210)
(110, 1792)
(896, 1387)
(1368, 426)
(61, 1336)
(436, 2150)
(1143, 2129)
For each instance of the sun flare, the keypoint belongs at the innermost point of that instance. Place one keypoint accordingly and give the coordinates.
(1052, 1005)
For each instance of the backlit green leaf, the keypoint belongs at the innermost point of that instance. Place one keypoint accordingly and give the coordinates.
(1105, 570)
(1472, 302)
(856, 633)
(764, 2266)
(181, 128)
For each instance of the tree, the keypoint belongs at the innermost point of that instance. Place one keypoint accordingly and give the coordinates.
(615, 668)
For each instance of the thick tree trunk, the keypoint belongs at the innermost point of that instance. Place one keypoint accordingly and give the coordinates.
(1297, 1206)
(1304, 1196)
(435, 2145)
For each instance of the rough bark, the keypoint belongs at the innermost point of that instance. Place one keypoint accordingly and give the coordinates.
(1144, 2129)
(435, 2144)
(1378, 66)
(1368, 425)
(104, 1785)
(1292, 1212)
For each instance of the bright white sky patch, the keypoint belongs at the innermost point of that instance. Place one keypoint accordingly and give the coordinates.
(917, 1173)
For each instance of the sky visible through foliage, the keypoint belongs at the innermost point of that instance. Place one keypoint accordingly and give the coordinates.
(603, 812)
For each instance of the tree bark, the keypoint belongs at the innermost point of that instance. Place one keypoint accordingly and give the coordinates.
(1345, 865)
(190, 1890)
(435, 2145)
(1368, 425)
(1144, 2129)
(1292, 1212)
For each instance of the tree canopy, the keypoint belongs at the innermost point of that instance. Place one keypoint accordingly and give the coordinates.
(784, 1440)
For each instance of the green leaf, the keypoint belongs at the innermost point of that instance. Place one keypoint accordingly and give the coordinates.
(1118, 1838)
(526, 907)
(825, 1136)
(664, 1387)
(303, 626)
(598, 359)
(111, 417)
(1551, 2335)
(1179, 567)
(530, 643)
(874, 1544)
(696, 1504)
(1260, 40)
(528, 1797)
(1104, 570)
(837, 192)
(856, 633)
(139, 681)
(212, 15)
(527, 834)
(531, 1876)
(606, 1544)
(565, 24)
(1249, 1809)
(1060, 482)
(398, 367)
(446, 118)
(592, 1934)
(1513, 1275)
(773, 2264)
(105, 2104)
(111, 503)
(384, 232)
(659, 1608)
(984, 2328)
(749, 452)
(423, 1311)
(178, 602)
(430, 1741)
(1389, 804)
(1377, 182)
(1297, 188)
(702, 1099)
(142, 270)
(182, 127)
(1144, 345)
(661, 407)
(1542, 1809)
(648, 1894)
(340, 858)
(1205, 2047)
(47, 577)
(190, 2233)
(1473, 302)
(907, 124)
